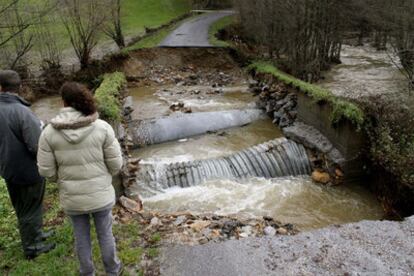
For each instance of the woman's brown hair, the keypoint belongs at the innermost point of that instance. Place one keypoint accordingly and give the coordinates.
(79, 97)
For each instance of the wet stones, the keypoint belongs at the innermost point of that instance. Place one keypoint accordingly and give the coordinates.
(128, 107)
(278, 102)
(325, 158)
(191, 229)
(130, 168)
(131, 205)
(269, 231)
(313, 139)
(321, 177)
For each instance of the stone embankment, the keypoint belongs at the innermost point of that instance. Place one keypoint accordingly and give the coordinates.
(281, 104)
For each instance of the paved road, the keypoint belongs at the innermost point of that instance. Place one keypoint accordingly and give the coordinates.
(365, 248)
(194, 32)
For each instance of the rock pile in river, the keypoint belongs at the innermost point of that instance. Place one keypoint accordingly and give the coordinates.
(278, 102)
(192, 229)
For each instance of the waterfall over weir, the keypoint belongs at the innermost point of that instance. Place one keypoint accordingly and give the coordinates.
(276, 158)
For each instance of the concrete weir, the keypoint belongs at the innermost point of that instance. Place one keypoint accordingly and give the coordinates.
(172, 128)
(276, 158)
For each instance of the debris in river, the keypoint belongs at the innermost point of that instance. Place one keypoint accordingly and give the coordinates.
(269, 231)
(177, 106)
(192, 229)
(130, 205)
(321, 177)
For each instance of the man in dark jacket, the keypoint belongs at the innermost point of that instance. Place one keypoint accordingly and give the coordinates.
(20, 132)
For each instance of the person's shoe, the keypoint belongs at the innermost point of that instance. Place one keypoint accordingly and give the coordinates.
(44, 235)
(34, 251)
(121, 270)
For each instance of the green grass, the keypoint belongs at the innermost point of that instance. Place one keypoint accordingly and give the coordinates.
(152, 40)
(136, 16)
(107, 96)
(216, 27)
(139, 14)
(62, 260)
(342, 109)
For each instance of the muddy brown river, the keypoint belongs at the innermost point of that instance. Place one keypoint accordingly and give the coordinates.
(291, 199)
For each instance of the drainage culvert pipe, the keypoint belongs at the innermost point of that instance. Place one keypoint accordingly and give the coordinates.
(172, 128)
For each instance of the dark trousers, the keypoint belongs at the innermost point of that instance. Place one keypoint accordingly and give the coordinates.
(27, 202)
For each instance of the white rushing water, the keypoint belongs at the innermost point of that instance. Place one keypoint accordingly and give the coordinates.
(294, 200)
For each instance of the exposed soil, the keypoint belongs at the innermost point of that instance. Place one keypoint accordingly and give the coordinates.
(188, 229)
(186, 66)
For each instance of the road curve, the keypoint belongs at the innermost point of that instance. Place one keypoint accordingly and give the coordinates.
(194, 32)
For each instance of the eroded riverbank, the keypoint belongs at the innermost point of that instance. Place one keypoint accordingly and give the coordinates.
(168, 82)
(209, 82)
(213, 82)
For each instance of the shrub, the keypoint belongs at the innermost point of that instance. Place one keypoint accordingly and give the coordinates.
(107, 96)
(390, 130)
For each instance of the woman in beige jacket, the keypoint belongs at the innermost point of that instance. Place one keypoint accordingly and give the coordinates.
(82, 154)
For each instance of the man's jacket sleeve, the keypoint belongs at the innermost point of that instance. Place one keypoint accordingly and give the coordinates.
(30, 131)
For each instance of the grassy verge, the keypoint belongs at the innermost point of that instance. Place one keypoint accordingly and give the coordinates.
(62, 260)
(151, 13)
(216, 27)
(342, 109)
(153, 40)
(107, 96)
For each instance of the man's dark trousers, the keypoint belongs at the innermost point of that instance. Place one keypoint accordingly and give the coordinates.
(27, 202)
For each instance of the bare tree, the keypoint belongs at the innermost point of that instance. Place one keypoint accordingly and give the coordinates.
(303, 35)
(83, 20)
(18, 42)
(48, 46)
(10, 29)
(113, 28)
(403, 42)
(17, 20)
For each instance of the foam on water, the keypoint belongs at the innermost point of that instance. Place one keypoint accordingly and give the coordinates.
(292, 200)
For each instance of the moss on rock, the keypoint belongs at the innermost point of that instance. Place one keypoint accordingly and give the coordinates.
(107, 96)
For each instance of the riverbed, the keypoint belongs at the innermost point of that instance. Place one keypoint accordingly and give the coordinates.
(366, 72)
(294, 200)
(291, 200)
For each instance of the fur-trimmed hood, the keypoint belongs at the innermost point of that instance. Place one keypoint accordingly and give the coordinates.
(73, 125)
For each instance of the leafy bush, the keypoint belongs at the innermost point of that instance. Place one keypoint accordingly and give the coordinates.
(390, 128)
(107, 96)
(342, 109)
(391, 135)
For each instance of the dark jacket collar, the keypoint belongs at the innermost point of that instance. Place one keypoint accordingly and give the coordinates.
(6, 97)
